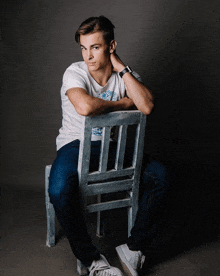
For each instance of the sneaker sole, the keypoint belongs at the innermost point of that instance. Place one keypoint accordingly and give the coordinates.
(125, 264)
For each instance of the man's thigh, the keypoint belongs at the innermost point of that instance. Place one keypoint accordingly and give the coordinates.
(63, 173)
(65, 165)
(67, 159)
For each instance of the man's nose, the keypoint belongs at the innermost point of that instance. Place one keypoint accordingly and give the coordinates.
(89, 54)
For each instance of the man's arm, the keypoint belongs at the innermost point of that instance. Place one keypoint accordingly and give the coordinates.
(138, 92)
(87, 105)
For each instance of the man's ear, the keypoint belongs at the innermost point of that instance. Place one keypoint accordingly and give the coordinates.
(113, 45)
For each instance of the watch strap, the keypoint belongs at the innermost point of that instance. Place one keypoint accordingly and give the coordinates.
(126, 70)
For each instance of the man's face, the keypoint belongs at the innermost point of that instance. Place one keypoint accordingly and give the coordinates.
(95, 51)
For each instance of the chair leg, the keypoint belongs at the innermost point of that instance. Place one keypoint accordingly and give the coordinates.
(50, 225)
(81, 269)
(130, 216)
(130, 224)
(99, 228)
(50, 241)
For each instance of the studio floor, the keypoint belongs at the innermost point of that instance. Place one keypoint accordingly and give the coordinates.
(24, 251)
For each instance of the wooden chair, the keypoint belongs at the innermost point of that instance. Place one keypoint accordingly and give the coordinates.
(105, 181)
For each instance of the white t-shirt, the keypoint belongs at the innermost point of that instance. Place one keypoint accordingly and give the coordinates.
(77, 75)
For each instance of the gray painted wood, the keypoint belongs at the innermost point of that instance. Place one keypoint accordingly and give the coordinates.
(121, 119)
(114, 204)
(97, 176)
(109, 187)
(110, 184)
(98, 226)
(104, 149)
(121, 147)
(137, 161)
(50, 240)
(114, 119)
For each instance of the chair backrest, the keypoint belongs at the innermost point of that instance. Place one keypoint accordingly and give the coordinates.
(112, 179)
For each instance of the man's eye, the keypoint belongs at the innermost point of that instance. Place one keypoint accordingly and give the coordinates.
(96, 47)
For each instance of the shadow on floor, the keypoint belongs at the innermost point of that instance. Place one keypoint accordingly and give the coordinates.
(190, 233)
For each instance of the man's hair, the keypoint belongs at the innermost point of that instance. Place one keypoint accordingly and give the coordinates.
(96, 24)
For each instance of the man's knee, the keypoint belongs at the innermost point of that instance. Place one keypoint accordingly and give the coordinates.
(156, 170)
(157, 174)
(61, 183)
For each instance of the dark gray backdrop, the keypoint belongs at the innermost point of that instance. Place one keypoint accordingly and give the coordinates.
(173, 45)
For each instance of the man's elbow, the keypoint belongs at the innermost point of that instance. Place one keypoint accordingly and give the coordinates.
(84, 110)
(146, 109)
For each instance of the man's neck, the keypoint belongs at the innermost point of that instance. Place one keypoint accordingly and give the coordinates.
(102, 76)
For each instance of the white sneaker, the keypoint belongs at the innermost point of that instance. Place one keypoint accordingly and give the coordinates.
(131, 261)
(103, 268)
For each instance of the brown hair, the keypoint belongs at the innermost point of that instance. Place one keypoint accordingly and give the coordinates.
(95, 24)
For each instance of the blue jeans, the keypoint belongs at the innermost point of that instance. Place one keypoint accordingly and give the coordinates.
(65, 197)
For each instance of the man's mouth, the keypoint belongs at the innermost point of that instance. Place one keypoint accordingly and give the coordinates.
(91, 63)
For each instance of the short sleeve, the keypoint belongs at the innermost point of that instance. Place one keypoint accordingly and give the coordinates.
(73, 78)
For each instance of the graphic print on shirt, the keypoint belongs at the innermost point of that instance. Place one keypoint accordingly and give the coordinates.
(108, 96)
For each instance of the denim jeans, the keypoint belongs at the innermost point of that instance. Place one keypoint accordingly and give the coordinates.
(65, 197)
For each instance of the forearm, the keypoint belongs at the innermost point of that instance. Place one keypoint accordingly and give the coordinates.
(98, 106)
(138, 92)
(87, 105)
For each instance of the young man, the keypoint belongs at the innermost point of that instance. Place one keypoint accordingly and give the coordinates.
(100, 84)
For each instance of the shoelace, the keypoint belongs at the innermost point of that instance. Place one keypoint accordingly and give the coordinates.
(103, 268)
(99, 266)
(138, 262)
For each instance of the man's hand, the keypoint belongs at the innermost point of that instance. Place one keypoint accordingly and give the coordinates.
(140, 95)
(117, 64)
(126, 103)
(87, 105)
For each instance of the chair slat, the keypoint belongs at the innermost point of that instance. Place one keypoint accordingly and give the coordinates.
(97, 176)
(109, 205)
(104, 149)
(109, 187)
(121, 147)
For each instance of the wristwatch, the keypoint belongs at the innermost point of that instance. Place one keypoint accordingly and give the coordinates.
(126, 70)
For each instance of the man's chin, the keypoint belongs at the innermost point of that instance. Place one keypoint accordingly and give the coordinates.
(91, 67)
